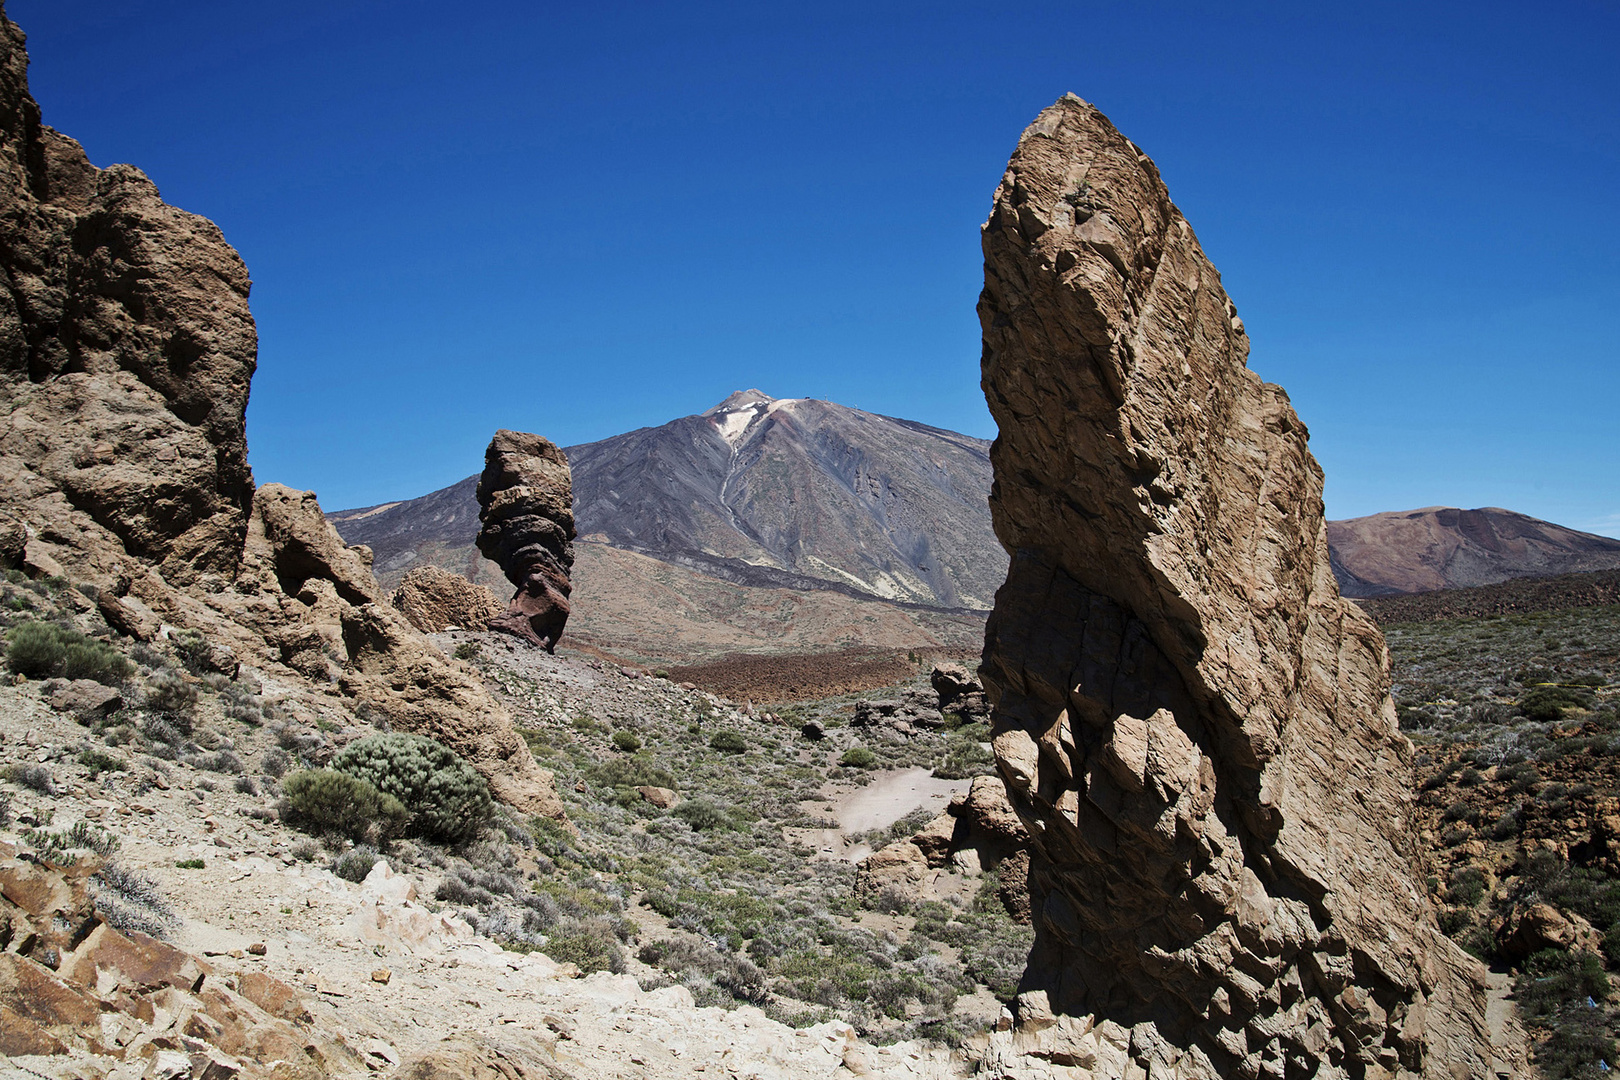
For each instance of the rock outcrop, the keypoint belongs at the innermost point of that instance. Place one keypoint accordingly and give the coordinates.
(126, 348)
(525, 502)
(435, 600)
(1193, 725)
(87, 998)
(126, 353)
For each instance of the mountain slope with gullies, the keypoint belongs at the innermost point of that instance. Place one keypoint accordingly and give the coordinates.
(1442, 547)
(795, 492)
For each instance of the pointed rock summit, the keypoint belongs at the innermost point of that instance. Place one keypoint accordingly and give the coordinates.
(525, 500)
(1195, 728)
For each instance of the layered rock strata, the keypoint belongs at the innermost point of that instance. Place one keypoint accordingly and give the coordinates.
(126, 353)
(525, 502)
(1193, 725)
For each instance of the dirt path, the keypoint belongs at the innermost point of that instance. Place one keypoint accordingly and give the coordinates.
(891, 796)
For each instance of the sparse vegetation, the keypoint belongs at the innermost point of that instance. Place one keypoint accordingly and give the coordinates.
(447, 800)
(326, 801)
(1518, 732)
(41, 650)
(34, 777)
(61, 846)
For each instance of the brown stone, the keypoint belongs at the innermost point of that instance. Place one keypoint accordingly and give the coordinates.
(33, 991)
(1193, 725)
(1531, 928)
(900, 869)
(934, 839)
(270, 994)
(525, 501)
(662, 797)
(435, 600)
(515, 1056)
(135, 960)
(381, 975)
(20, 1035)
(86, 699)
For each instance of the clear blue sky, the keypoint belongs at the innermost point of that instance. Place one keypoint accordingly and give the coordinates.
(580, 219)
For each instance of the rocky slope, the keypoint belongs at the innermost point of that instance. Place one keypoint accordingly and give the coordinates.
(1442, 547)
(1195, 728)
(126, 353)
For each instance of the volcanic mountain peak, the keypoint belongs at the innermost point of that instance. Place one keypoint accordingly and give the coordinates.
(736, 417)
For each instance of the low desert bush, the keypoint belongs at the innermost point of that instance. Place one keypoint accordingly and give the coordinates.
(131, 901)
(168, 691)
(99, 761)
(33, 777)
(446, 798)
(728, 742)
(356, 863)
(858, 757)
(626, 741)
(704, 815)
(58, 847)
(326, 801)
(39, 650)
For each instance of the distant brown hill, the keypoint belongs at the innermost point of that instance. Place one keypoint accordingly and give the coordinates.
(1441, 547)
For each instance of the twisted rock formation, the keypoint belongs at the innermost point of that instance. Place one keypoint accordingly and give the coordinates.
(525, 501)
(126, 353)
(433, 600)
(1195, 728)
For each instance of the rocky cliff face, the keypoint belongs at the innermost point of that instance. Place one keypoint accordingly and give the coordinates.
(525, 502)
(126, 353)
(1195, 728)
(126, 347)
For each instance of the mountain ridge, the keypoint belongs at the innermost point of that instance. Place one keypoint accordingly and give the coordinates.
(759, 491)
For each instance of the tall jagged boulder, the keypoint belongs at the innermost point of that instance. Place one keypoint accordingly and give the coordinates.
(526, 505)
(126, 353)
(1195, 728)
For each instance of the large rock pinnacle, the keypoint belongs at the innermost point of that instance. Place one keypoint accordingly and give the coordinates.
(1195, 728)
(526, 505)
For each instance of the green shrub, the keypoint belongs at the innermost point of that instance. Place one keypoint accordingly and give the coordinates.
(99, 761)
(1547, 703)
(190, 864)
(326, 801)
(168, 691)
(589, 943)
(1467, 886)
(729, 742)
(447, 800)
(356, 863)
(626, 741)
(34, 777)
(39, 650)
(703, 815)
(467, 650)
(858, 757)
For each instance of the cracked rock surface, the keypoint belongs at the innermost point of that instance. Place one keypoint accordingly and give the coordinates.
(1195, 728)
